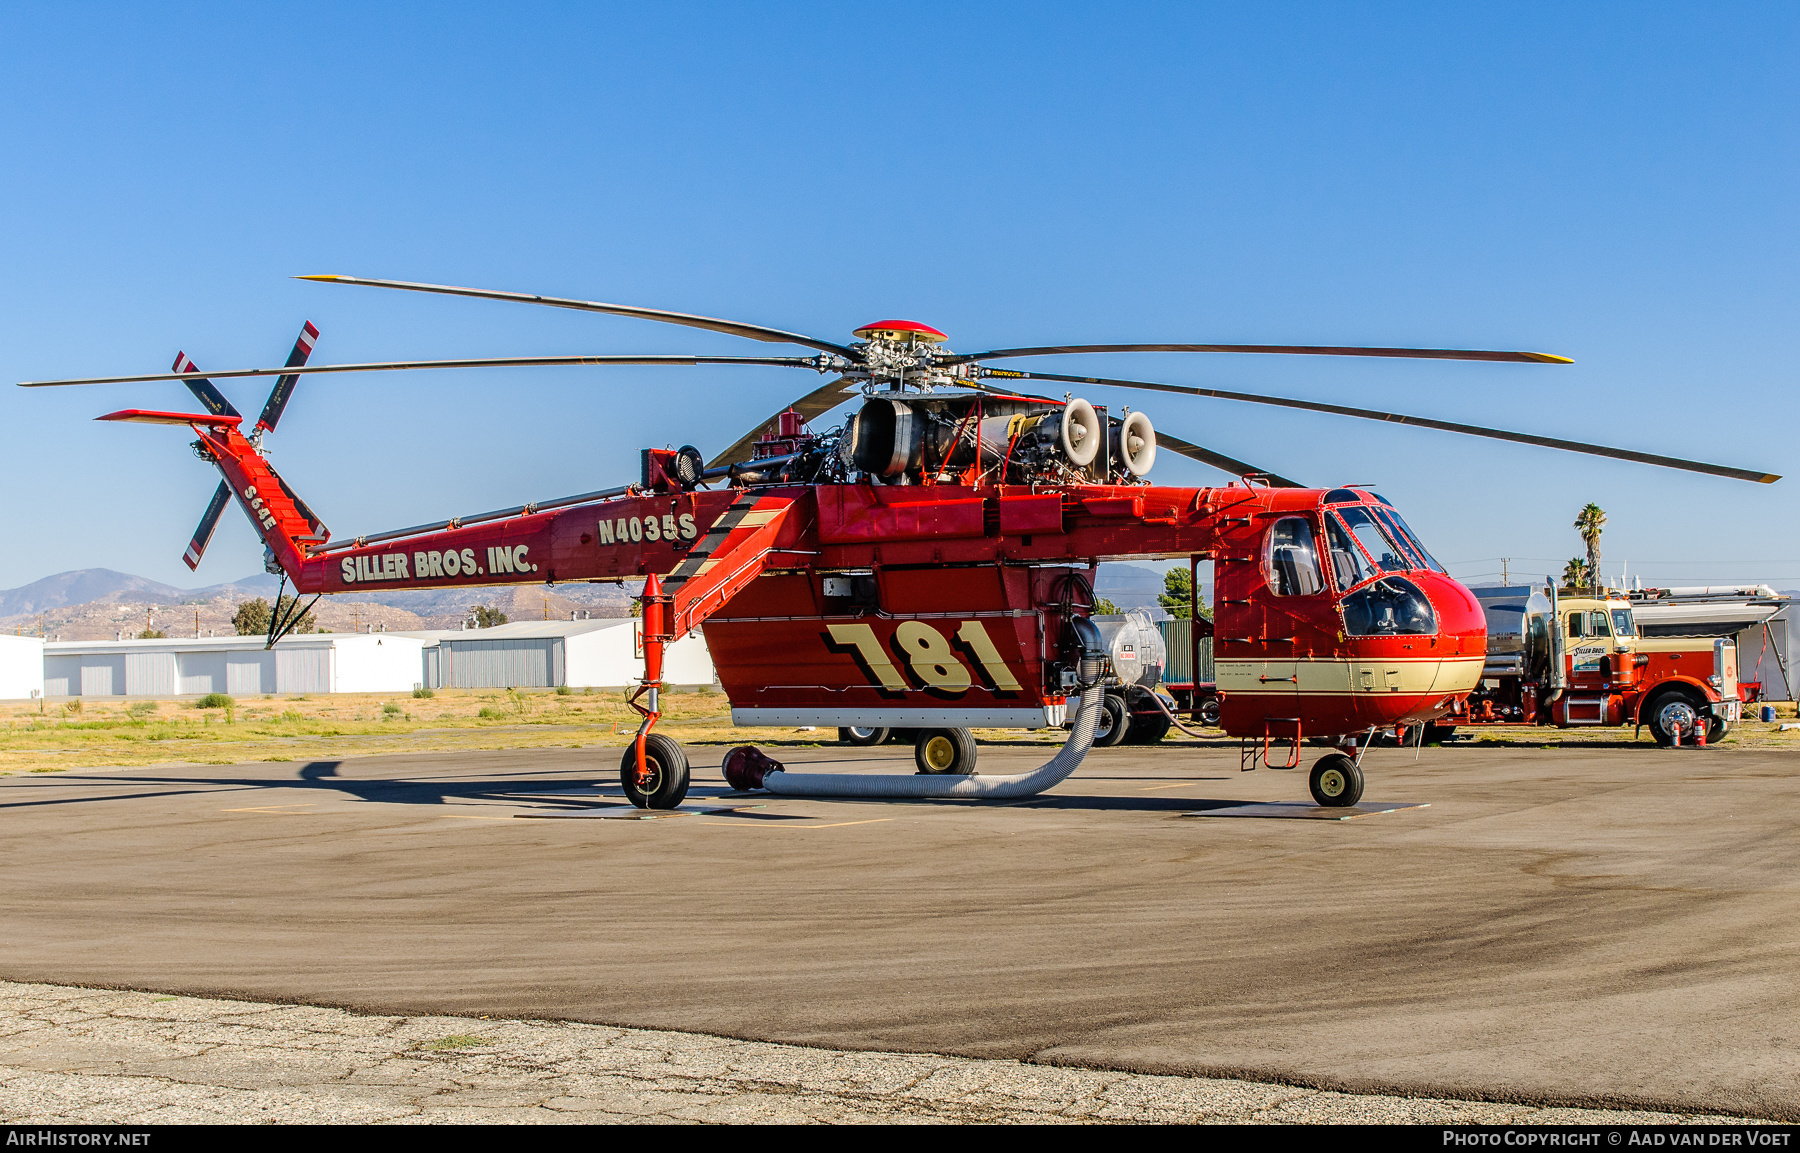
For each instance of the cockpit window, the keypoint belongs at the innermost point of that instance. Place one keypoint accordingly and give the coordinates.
(1382, 499)
(1388, 556)
(1348, 567)
(1292, 563)
(1343, 496)
(1624, 625)
(1398, 528)
(1392, 606)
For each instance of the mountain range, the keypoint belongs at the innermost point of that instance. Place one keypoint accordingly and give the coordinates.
(101, 604)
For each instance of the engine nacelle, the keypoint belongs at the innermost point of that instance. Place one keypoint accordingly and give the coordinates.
(905, 440)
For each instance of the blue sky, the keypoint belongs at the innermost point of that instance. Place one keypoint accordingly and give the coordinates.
(1614, 183)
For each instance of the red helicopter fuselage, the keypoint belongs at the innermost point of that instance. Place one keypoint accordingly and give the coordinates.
(942, 605)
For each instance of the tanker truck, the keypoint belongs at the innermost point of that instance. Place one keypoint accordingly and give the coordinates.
(1575, 661)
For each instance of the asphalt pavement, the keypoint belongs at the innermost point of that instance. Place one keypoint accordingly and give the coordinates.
(1575, 927)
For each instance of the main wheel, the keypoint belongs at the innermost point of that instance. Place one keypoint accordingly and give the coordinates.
(1209, 712)
(861, 735)
(665, 780)
(1677, 710)
(1113, 722)
(946, 751)
(1147, 730)
(1715, 730)
(1336, 781)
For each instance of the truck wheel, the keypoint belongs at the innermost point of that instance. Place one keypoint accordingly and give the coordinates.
(1209, 713)
(666, 773)
(861, 736)
(1113, 722)
(1716, 730)
(1336, 781)
(1147, 730)
(947, 751)
(1677, 709)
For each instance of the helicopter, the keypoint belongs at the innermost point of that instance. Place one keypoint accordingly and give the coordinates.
(927, 565)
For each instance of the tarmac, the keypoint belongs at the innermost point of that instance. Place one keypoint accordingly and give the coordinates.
(1587, 927)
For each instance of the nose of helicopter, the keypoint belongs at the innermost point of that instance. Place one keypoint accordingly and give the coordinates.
(1412, 679)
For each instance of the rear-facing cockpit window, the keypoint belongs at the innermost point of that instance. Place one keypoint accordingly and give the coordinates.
(1382, 551)
(1392, 606)
(1291, 563)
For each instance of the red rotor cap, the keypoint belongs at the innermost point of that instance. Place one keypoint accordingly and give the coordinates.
(907, 330)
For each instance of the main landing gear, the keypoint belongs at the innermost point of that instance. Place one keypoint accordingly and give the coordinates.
(663, 783)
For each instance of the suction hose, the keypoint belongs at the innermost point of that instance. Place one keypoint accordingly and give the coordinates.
(761, 772)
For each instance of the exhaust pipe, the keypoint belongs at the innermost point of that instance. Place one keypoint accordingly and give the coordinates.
(753, 770)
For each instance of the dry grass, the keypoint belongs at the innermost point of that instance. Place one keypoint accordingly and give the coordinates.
(57, 735)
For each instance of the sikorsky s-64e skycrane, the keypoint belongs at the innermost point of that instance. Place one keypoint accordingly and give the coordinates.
(926, 566)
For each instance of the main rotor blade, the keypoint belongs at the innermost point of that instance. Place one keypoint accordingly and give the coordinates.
(818, 402)
(484, 362)
(1419, 421)
(284, 384)
(731, 327)
(1282, 349)
(1218, 460)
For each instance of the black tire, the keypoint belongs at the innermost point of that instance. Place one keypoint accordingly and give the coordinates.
(1113, 723)
(1336, 781)
(1438, 734)
(1209, 712)
(1147, 730)
(1715, 730)
(668, 769)
(1671, 709)
(950, 752)
(861, 736)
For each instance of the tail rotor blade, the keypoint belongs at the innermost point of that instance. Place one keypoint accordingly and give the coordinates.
(209, 521)
(284, 384)
(206, 390)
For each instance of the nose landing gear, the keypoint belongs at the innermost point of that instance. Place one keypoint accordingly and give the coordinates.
(1336, 781)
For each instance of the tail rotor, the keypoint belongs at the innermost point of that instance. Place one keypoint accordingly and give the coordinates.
(215, 402)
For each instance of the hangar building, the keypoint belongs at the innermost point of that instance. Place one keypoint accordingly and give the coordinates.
(241, 666)
(604, 653)
(21, 668)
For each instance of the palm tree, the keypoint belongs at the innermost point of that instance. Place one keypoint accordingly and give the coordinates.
(1589, 523)
(1574, 576)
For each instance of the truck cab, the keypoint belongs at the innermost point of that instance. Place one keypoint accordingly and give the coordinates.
(1597, 659)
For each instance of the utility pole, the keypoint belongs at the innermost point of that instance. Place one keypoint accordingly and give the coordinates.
(1505, 579)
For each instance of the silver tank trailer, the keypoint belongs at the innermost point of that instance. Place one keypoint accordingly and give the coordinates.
(1518, 631)
(1135, 646)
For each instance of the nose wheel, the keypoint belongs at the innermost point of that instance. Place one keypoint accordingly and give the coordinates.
(1336, 781)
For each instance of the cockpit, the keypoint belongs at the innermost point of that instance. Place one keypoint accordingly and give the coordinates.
(1366, 546)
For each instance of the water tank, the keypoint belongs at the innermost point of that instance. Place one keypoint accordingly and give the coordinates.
(1135, 645)
(1518, 630)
